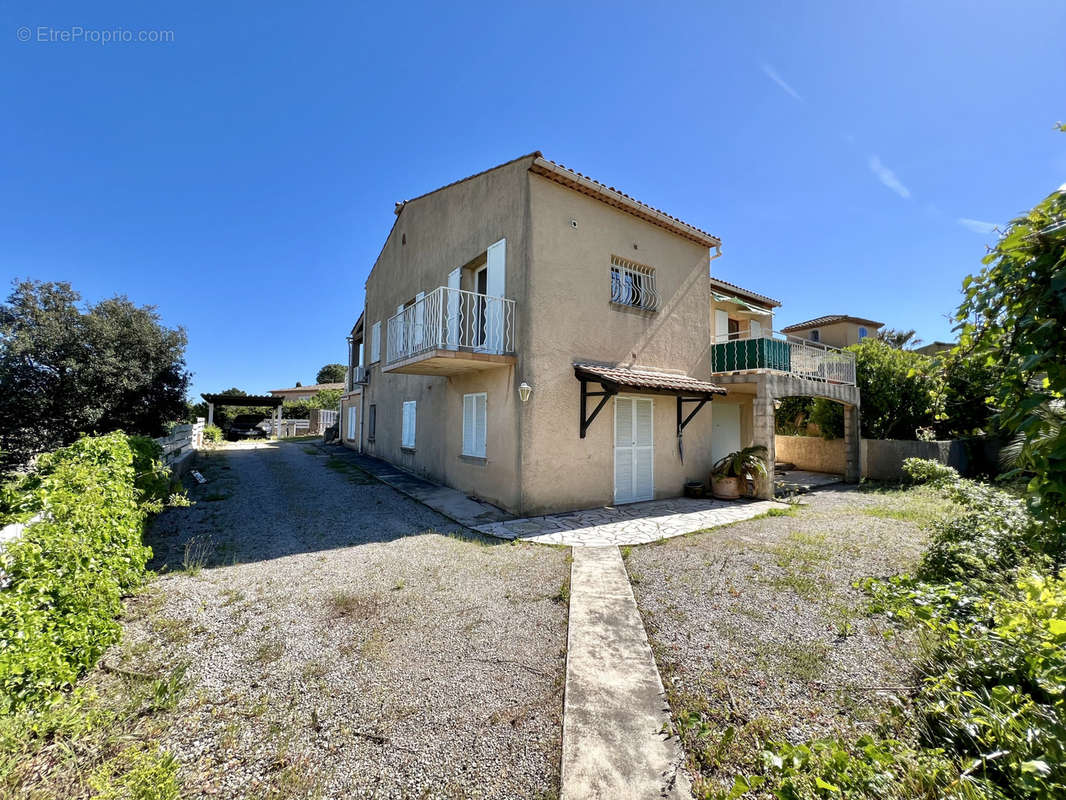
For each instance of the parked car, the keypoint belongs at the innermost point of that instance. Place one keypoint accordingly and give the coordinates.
(245, 426)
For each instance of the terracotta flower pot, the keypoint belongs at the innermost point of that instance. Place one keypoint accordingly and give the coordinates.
(726, 488)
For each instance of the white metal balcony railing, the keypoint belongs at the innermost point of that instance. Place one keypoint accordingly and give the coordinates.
(737, 352)
(452, 319)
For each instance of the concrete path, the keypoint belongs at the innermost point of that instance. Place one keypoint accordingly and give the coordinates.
(615, 707)
(634, 523)
(451, 503)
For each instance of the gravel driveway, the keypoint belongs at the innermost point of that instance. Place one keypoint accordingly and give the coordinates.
(344, 641)
(757, 627)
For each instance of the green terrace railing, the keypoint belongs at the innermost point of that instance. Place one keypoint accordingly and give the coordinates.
(799, 357)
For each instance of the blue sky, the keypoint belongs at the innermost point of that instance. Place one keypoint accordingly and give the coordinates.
(851, 156)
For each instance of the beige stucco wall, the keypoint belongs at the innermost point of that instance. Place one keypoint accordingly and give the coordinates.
(811, 453)
(570, 318)
(839, 334)
(443, 231)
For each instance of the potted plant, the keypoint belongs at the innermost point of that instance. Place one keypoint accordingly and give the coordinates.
(729, 472)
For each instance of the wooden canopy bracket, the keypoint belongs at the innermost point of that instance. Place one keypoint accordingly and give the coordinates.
(682, 420)
(609, 391)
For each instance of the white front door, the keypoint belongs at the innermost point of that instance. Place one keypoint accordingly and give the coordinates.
(725, 429)
(634, 450)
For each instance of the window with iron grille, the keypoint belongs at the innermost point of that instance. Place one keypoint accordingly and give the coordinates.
(633, 284)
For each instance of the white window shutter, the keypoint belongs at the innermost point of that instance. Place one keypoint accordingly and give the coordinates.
(721, 325)
(375, 342)
(410, 418)
(468, 424)
(755, 329)
(495, 287)
(454, 278)
(480, 423)
(420, 318)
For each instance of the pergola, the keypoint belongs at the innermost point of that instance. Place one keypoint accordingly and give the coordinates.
(245, 401)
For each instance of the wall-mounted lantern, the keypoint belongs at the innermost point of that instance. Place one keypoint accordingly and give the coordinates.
(524, 391)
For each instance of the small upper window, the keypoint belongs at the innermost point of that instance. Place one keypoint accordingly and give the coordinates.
(862, 333)
(816, 335)
(633, 284)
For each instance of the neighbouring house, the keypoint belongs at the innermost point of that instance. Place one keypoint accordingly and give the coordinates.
(298, 394)
(544, 342)
(933, 348)
(835, 330)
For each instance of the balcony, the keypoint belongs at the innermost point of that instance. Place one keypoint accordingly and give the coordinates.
(789, 354)
(451, 332)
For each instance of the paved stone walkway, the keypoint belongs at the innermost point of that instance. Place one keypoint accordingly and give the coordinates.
(615, 709)
(634, 523)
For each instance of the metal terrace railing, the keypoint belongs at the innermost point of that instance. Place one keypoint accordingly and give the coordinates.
(738, 352)
(452, 319)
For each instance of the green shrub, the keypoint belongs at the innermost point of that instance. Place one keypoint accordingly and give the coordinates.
(995, 692)
(925, 470)
(212, 434)
(68, 572)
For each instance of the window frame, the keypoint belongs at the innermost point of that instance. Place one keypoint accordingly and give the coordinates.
(471, 452)
(403, 425)
(863, 332)
(633, 285)
(371, 422)
(815, 335)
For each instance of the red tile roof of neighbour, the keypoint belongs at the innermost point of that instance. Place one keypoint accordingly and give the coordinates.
(818, 322)
(314, 387)
(761, 298)
(647, 379)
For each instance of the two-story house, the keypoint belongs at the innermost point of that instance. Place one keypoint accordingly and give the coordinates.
(539, 340)
(545, 342)
(835, 330)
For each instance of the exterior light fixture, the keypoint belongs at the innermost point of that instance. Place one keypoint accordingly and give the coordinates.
(524, 391)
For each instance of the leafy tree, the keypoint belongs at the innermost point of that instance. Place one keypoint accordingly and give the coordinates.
(968, 384)
(1012, 315)
(331, 373)
(327, 398)
(899, 338)
(792, 414)
(900, 391)
(67, 368)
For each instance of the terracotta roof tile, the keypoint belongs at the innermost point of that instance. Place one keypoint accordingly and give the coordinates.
(314, 387)
(817, 322)
(646, 379)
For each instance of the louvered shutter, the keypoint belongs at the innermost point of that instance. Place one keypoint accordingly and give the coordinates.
(468, 424)
(623, 449)
(480, 423)
(643, 451)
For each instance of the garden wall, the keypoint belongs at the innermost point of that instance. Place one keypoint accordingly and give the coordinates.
(811, 452)
(882, 459)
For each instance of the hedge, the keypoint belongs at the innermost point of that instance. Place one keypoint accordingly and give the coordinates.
(67, 574)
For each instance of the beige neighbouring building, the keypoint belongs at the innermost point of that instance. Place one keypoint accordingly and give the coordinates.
(544, 342)
(298, 394)
(835, 330)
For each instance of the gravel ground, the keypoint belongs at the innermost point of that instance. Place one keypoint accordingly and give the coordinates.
(340, 645)
(756, 626)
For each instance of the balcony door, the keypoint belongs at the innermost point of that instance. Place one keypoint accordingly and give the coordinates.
(634, 449)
